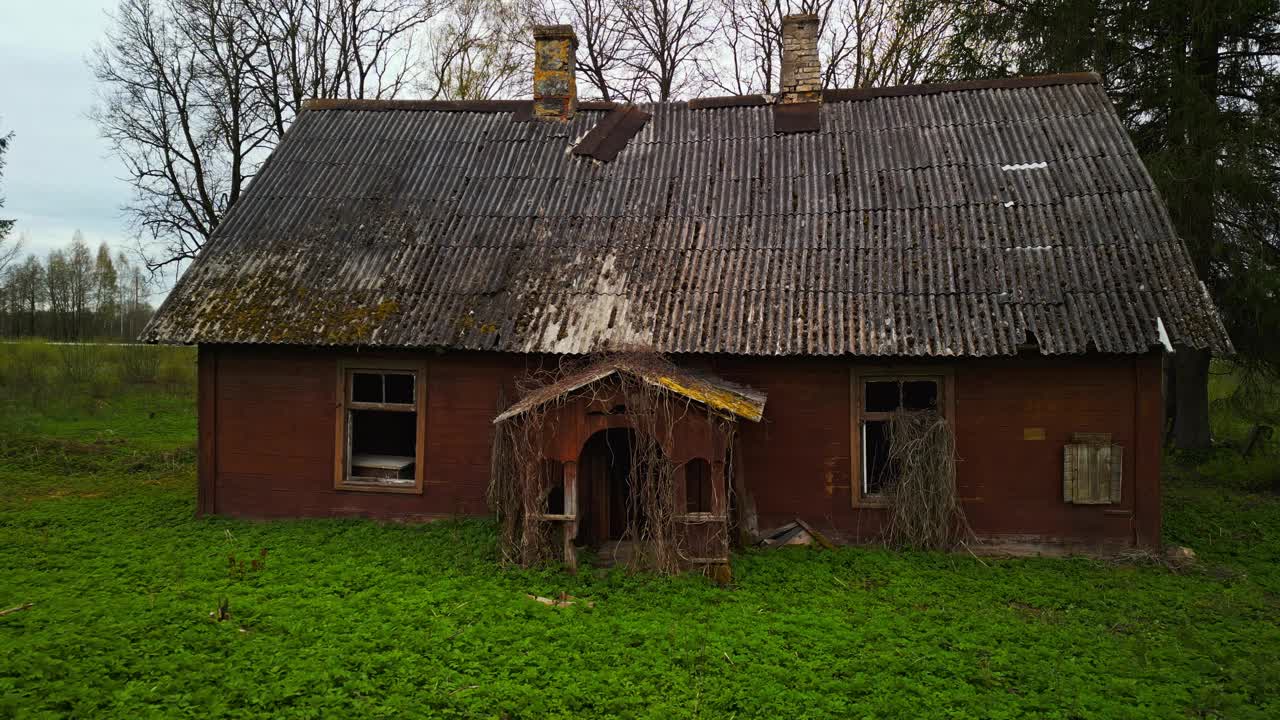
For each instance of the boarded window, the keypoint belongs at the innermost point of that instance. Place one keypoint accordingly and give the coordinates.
(1092, 470)
(697, 486)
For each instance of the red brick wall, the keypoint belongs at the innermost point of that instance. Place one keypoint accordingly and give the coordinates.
(267, 439)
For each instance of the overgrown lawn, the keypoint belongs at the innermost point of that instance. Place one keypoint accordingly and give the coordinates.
(351, 618)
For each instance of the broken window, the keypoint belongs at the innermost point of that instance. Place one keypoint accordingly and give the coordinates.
(697, 486)
(881, 397)
(380, 430)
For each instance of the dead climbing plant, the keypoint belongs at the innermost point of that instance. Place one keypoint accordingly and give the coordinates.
(519, 486)
(924, 510)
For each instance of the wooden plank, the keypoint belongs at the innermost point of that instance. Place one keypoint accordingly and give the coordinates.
(1117, 473)
(1069, 473)
(382, 462)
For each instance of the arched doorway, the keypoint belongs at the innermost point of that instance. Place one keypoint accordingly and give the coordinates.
(606, 487)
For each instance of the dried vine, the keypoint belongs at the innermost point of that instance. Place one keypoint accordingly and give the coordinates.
(518, 486)
(924, 510)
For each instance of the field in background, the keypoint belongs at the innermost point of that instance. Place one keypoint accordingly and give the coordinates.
(350, 618)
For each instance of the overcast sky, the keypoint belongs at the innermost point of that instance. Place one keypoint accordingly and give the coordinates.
(59, 175)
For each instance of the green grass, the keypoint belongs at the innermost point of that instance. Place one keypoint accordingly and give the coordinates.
(351, 618)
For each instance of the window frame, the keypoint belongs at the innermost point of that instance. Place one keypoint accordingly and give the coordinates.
(708, 485)
(945, 378)
(345, 373)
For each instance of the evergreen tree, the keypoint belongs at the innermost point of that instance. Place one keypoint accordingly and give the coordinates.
(1197, 83)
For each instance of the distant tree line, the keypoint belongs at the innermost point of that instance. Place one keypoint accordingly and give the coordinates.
(74, 294)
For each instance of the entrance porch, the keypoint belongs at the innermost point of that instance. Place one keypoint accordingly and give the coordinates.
(633, 458)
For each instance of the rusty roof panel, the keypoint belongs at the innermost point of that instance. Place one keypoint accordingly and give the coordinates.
(947, 221)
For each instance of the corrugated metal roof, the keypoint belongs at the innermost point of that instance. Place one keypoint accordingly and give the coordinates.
(945, 223)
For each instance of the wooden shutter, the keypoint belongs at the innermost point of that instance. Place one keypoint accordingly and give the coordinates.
(1092, 470)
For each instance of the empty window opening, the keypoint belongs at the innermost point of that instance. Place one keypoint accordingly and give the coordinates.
(552, 479)
(881, 398)
(919, 395)
(877, 469)
(381, 429)
(382, 388)
(697, 486)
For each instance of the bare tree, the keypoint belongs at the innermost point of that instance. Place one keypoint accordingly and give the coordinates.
(8, 249)
(58, 293)
(105, 308)
(133, 292)
(334, 48)
(477, 51)
(79, 284)
(29, 283)
(668, 39)
(875, 43)
(863, 43)
(749, 47)
(195, 93)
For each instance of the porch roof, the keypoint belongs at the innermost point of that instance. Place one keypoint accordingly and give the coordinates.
(704, 388)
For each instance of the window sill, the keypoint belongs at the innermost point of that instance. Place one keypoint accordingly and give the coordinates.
(872, 502)
(379, 487)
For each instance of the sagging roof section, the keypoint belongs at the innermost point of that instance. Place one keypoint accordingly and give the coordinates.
(800, 117)
(715, 393)
(949, 220)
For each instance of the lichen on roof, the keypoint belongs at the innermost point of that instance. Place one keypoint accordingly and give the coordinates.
(892, 231)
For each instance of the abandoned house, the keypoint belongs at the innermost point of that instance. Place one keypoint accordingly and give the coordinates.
(406, 279)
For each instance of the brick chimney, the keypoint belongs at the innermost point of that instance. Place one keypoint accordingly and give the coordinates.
(555, 92)
(801, 73)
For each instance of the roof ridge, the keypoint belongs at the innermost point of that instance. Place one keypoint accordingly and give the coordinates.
(493, 106)
(834, 95)
(853, 94)
(1005, 83)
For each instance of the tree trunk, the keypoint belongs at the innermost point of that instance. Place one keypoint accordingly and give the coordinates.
(1191, 380)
